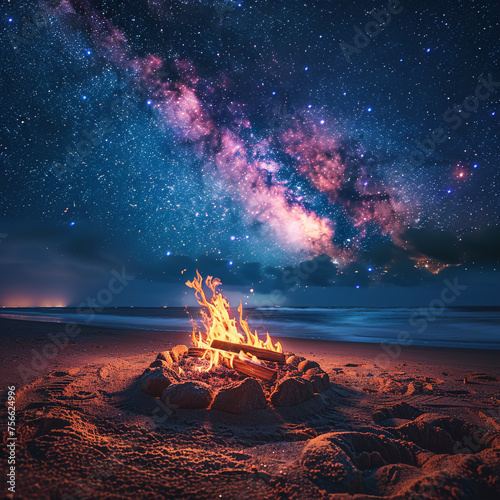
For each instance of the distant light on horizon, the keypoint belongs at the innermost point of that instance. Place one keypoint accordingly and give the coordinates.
(32, 302)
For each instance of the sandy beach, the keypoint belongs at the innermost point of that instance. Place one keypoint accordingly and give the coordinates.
(395, 422)
(249, 250)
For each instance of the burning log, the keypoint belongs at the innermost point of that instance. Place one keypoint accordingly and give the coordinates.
(254, 370)
(196, 352)
(241, 366)
(263, 354)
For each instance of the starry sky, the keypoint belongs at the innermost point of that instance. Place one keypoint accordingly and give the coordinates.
(340, 152)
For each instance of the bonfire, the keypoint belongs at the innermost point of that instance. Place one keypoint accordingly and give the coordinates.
(229, 367)
(228, 341)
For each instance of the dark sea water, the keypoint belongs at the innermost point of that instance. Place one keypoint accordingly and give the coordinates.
(472, 327)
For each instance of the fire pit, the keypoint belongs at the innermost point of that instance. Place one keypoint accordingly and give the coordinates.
(229, 368)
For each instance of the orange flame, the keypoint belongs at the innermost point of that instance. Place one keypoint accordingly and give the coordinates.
(220, 326)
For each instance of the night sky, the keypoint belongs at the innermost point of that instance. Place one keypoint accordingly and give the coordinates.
(273, 144)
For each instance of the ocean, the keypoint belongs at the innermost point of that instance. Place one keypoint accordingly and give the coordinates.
(466, 327)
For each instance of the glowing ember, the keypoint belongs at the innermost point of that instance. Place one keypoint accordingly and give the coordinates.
(220, 326)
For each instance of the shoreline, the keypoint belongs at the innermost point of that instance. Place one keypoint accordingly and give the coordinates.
(20, 338)
(354, 333)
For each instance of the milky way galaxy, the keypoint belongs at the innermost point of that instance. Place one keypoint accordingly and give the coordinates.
(239, 130)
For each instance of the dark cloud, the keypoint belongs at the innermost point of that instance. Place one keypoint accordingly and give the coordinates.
(382, 254)
(72, 262)
(404, 273)
(442, 246)
(482, 246)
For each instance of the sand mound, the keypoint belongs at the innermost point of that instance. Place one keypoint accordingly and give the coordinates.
(92, 433)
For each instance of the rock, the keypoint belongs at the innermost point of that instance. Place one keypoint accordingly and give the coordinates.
(307, 365)
(154, 382)
(292, 391)
(159, 362)
(240, 397)
(294, 360)
(189, 395)
(165, 356)
(318, 378)
(178, 352)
